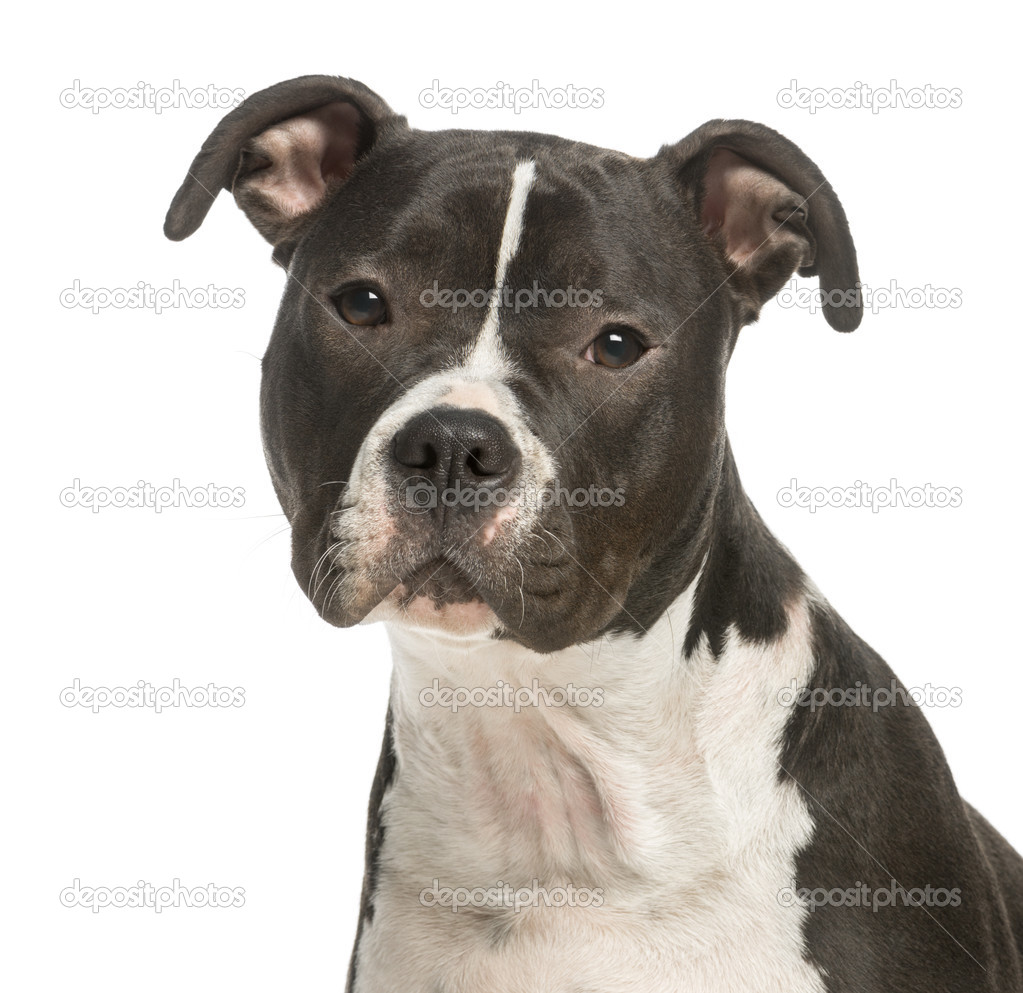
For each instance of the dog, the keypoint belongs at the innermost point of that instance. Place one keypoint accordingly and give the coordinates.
(493, 411)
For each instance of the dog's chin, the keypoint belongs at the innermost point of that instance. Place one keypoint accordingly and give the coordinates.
(473, 618)
(437, 597)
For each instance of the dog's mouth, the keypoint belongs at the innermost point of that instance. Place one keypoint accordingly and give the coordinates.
(438, 595)
(529, 589)
(409, 582)
(440, 581)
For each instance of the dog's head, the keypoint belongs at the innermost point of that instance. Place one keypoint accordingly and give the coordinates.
(493, 399)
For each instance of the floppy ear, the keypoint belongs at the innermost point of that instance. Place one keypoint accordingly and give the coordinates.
(279, 153)
(769, 212)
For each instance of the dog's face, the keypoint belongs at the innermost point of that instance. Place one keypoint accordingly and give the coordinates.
(493, 400)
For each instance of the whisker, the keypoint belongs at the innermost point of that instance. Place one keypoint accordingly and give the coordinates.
(331, 548)
(522, 592)
(273, 534)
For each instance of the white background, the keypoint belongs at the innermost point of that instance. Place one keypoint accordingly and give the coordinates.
(271, 797)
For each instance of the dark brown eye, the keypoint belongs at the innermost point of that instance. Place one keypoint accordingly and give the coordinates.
(361, 307)
(615, 348)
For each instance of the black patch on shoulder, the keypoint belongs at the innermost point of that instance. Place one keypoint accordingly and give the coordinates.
(888, 816)
(374, 840)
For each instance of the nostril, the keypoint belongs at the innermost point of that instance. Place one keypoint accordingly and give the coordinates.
(476, 461)
(488, 461)
(414, 451)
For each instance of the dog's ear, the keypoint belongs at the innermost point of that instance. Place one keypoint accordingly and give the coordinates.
(769, 212)
(279, 153)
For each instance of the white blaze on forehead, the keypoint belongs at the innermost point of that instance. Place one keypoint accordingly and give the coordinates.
(486, 353)
(522, 180)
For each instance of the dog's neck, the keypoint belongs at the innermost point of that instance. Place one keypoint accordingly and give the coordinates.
(652, 748)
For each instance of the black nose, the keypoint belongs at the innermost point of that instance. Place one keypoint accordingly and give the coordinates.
(454, 445)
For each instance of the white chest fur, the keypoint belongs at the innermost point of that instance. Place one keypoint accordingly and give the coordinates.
(657, 816)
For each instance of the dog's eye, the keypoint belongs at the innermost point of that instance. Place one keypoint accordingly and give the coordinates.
(361, 307)
(615, 348)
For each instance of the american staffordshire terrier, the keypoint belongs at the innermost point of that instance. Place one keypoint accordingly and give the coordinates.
(493, 411)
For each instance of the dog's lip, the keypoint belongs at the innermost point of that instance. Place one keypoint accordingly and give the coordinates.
(438, 565)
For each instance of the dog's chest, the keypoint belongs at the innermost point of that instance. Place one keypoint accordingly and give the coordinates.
(642, 843)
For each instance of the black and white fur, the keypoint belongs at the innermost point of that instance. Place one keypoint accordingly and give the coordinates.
(697, 798)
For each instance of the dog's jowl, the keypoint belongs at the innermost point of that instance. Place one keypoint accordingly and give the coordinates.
(493, 411)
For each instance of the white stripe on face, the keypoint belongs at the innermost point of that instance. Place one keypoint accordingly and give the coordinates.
(486, 354)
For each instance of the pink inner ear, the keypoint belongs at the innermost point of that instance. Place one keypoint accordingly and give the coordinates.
(739, 201)
(306, 154)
